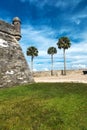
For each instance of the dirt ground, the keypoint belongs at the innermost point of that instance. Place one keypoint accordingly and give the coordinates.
(71, 76)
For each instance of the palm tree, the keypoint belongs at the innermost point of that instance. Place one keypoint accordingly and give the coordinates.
(64, 43)
(51, 51)
(32, 51)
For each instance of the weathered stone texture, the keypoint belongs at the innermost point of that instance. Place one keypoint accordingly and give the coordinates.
(10, 29)
(13, 66)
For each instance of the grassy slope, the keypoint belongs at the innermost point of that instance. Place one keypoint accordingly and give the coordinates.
(44, 106)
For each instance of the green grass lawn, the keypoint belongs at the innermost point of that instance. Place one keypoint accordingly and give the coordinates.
(44, 106)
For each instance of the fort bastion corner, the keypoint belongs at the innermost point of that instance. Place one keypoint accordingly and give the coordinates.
(14, 69)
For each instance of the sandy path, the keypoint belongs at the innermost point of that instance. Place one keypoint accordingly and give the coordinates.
(78, 78)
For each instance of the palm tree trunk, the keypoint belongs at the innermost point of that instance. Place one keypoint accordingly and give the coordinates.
(32, 64)
(64, 61)
(52, 65)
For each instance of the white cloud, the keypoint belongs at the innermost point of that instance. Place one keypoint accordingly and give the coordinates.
(38, 38)
(60, 3)
(46, 69)
(76, 55)
(79, 66)
(36, 2)
(65, 30)
(77, 21)
(42, 53)
(78, 17)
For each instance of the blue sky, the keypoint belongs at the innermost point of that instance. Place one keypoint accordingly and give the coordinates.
(44, 22)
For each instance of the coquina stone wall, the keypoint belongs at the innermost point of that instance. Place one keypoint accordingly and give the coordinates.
(14, 69)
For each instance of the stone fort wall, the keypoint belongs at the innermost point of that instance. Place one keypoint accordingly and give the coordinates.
(14, 69)
(9, 29)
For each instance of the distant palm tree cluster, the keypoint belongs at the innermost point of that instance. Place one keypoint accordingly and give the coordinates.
(63, 43)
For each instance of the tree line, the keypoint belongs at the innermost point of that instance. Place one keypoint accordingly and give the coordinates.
(63, 43)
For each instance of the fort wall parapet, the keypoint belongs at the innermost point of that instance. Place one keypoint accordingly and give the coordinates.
(11, 29)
